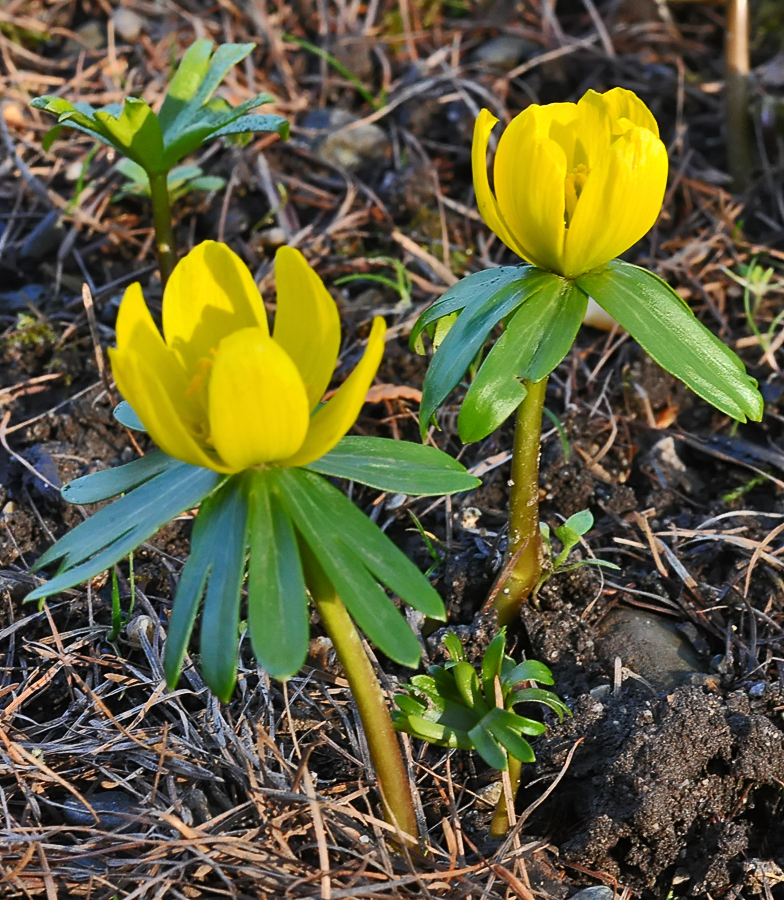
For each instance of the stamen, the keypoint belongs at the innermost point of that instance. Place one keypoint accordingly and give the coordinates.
(573, 187)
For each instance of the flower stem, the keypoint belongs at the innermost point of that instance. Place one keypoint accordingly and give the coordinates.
(500, 824)
(381, 736)
(524, 540)
(740, 159)
(164, 233)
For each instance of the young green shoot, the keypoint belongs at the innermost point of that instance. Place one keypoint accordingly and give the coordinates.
(453, 706)
(190, 116)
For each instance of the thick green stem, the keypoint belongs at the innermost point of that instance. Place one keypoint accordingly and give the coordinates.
(500, 824)
(381, 736)
(740, 157)
(164, 233)
(523, 551)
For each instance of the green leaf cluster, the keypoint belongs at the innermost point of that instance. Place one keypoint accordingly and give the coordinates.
(180, 181)
(541, 313)
(453, 706)
(260, 527)
(569, 534)
(190, 114)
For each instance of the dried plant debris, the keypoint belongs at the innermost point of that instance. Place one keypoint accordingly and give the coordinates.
(111, 785)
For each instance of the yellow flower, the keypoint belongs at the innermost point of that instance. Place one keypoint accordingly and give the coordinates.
(217, 391)
(576, 184)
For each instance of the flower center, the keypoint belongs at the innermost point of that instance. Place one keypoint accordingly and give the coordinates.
(197, 391)
(573, 185)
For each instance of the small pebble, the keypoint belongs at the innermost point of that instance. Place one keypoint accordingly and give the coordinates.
(91, 37)
(649, 646)
(504, 52)
(127, 24)
(598, 892)
(352, 149)
(138, 626)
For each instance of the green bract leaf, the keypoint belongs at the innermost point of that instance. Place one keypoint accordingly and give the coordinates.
(472, 290)
(400, 467)
(112, 482)
(353, 552)
(277, 598)
(193, 580)
(254, 123)
(467, 336)
(225, 543)
(539, 335)
(125, 415)
(343, 522)
(116, 530)
(662, 323)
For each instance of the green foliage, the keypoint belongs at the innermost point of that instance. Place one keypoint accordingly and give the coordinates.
(453, 706)
(270, 520)
(483, 300)
(402, 283)
(338, 67)
(180, 181)
(569, 534)
(189, 116)
(118, 619)
(400, 467)
(541, 314)
(756, 283)
(666, 328)
(537, 337)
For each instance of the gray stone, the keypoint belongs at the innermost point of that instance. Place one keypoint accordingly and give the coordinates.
(598, 892)
(350, 148)
(649, 646)
(504, 52)
(127, 24)
(91, 37)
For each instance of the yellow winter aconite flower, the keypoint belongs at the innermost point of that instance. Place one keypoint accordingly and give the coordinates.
(576, 184)
(217, 390)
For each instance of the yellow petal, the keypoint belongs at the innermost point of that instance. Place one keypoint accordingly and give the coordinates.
(623, 104)
(530, 168)
(210, 294)
(561, 123)
(137, 332)
(485, 201)
(258, 405)
(307, 324)
(144, 385)
(336, 416)
(621, 200)
(594, 125)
